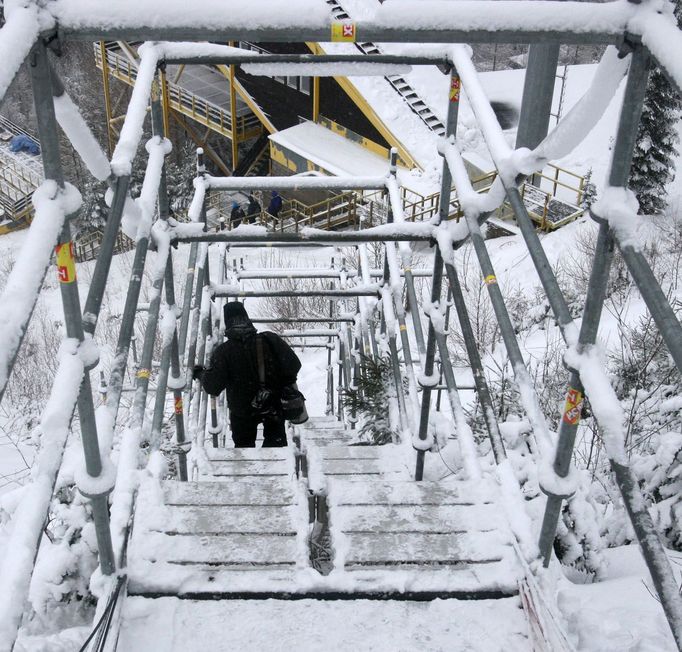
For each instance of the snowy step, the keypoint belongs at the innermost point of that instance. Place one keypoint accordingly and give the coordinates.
(438, 537)
(422, 548)
(251, 535)
(338, 460)
(350, 492)
(275, 491)
(439, 519)
(239, 463)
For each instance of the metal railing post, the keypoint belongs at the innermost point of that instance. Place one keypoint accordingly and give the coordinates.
(47, 129)
(430, 354)
(482, 390)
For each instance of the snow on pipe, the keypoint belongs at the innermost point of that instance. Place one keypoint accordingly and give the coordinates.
(23, 285)
(251, 233)
(197, 204)
(295, 183)
(337, 69)
(663, 38)
(465, 437)
(17, 37)
(132, 129)
(158, 148)
(184, 52)
(603, 400)
(430, 18)
(583, 117)
(563, 139)
(29, 516)
(81, 137)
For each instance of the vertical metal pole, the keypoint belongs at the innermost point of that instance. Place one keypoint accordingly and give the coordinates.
(126, 336)
(430, 355)
(316, 99)
(414, 310)
(93, 302)
(107, 95)
(233, 119)
(482, 390)
(189, 279)
(47, 129)
(538, 91)
(145, 367)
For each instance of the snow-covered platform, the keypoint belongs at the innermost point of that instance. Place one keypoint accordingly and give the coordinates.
(175, 625)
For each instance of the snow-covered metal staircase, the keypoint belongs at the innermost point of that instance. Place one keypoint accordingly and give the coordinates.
(242, 529)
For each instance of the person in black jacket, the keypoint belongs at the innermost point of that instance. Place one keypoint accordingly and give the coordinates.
(234, 368)
(252, 210)
(275, 205)
(236, 215)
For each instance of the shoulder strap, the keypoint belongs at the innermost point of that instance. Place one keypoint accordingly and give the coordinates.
(260, 357)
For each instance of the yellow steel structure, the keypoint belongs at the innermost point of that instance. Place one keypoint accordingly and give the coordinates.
(369, 113)
(183, 101)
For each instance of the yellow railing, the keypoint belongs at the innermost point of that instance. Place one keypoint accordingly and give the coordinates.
(183, 101)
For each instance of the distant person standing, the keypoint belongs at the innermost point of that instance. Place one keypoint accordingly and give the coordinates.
(275, 205)
(237, 215)
(252, 210)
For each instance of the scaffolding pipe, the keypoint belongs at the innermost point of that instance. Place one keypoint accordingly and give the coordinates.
(482, 390)
(47, 129)
(256, 236)
(443, 214)
(336, 292)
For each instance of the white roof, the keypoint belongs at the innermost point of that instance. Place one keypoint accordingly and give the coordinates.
(336, 154)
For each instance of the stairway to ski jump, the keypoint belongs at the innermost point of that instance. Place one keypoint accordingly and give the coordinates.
(398, 82)
(242, 529)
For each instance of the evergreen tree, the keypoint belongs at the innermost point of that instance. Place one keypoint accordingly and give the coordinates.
(653, 163)
(370, 400)
(589, 193)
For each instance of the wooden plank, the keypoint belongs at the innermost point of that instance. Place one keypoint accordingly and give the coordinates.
(217, 519)
(417, 518)
(380, 492)
(426, 548)
(264, 491)
(225, 549)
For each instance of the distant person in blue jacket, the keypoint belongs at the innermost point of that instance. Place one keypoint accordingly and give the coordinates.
(275, 205)
(23, 143)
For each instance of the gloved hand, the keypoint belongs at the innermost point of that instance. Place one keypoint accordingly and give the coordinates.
(197, 372)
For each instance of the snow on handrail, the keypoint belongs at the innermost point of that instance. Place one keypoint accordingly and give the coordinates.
(295, 183)
(81, 137)
(18, 298)
(17, 37)
(29, 517)
(435, 21)
(132, 129)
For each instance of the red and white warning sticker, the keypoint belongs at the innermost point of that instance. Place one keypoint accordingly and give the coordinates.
(573, 407)
(66, 264)
(343, 32)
